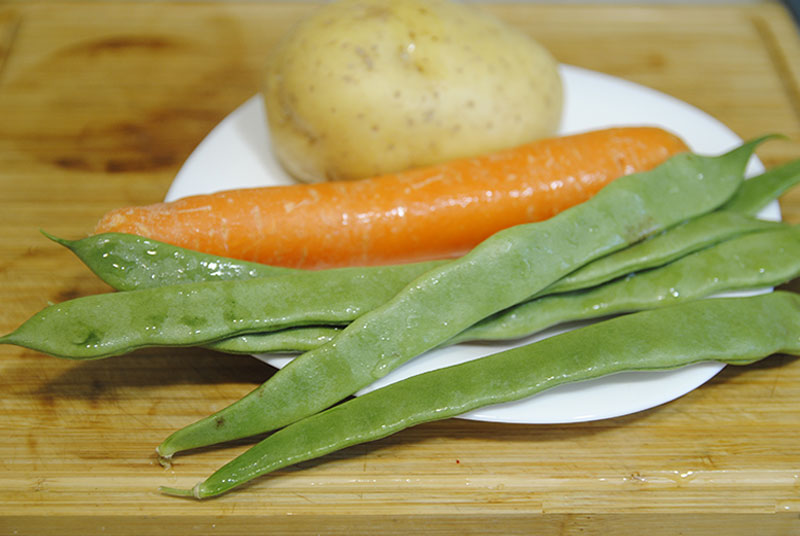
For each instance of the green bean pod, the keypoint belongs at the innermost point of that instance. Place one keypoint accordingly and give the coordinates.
(110, 324)
(756, 193)
(731, 219)
(736, 331)
(665, 247)
(672, 243)
(501, 271)
(746, 262)
(290, 340)
(131, 262)
(190, 314)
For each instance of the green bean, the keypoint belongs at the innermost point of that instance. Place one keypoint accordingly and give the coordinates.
(298, 339)
(718, 225)
(737, 331)
(130, 262)
(124, 267)
(501, 271)
(748, 262)
(689, 236)
(109, 324)
(277, 341)
(733, 218)
(756, 193)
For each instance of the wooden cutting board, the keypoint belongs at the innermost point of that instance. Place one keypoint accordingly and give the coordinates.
(100, 104)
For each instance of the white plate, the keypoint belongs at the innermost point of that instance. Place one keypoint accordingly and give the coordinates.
(237, 154)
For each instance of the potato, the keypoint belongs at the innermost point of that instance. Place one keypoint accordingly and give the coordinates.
(367, 87)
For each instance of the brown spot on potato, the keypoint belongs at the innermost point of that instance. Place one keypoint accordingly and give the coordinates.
(378, 12)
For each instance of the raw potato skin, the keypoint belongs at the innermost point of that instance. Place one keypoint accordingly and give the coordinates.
(369, 87)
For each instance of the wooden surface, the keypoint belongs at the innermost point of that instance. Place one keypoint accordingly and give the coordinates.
(101, 102)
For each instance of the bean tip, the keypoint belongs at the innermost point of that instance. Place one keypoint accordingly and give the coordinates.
(54, 238)
(176, 492)
(164, 459)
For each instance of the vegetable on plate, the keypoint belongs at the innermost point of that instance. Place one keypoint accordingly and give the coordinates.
(736, 331)
(367, 87)
(418, 215)
(505, 269)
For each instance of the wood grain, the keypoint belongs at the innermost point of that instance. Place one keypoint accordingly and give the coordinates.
(100, 105)
(9, 22)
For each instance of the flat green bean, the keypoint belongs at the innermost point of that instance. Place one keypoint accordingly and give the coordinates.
(756, 193)
(109, 324)
(665, 247)
(190, 314)
(746, 262)
(290, 340)
(498, 273)
(131, 262)
(689, 236)
(736, 216)
(191, 267)
(737, 331)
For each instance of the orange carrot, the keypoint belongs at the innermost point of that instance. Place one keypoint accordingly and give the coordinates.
(439, 211)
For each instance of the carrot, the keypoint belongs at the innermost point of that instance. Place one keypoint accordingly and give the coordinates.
(438, 211)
